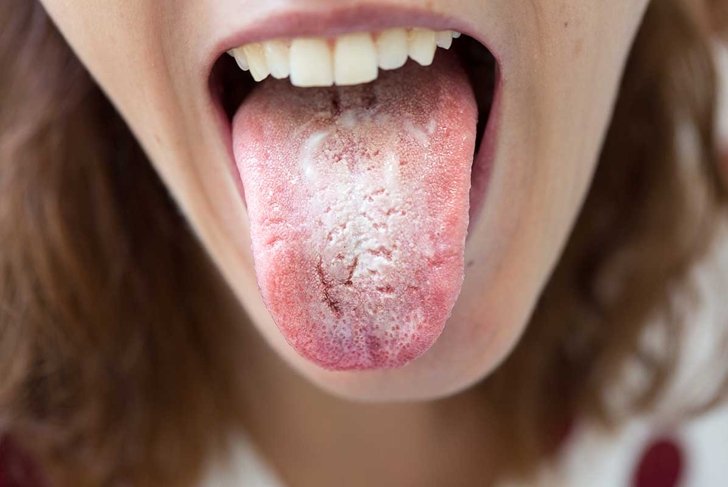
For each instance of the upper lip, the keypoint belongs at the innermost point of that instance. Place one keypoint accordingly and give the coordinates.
(333, 21)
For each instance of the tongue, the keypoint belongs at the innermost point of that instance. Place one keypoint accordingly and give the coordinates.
(358, 201)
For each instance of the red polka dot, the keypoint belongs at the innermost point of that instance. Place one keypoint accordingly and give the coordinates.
(16, 469)
(661, 465)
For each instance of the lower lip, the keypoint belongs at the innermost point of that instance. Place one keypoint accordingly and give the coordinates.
(483, 162)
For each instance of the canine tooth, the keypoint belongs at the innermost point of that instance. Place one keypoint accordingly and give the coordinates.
(240, 58)
(392, 48)
(311, 63)
(444, 39)
(277, 53)
(355, 59)
(256, 60)
(456, 35)
(422, 46)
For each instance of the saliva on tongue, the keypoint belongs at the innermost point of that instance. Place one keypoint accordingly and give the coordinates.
(358, 201)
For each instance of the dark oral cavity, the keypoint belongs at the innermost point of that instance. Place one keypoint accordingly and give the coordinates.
(358, 199)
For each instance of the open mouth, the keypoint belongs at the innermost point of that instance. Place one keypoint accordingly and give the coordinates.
(363, 158)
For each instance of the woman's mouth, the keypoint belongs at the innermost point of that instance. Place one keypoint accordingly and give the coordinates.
(360, 164)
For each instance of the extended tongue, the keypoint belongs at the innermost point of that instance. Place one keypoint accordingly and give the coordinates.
(358, 205)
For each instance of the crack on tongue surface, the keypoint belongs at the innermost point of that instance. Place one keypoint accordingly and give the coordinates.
(358, 204)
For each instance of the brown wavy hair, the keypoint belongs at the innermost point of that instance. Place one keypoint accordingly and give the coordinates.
(117, 364)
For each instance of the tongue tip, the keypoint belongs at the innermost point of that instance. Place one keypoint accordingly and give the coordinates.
(372, 332)
(371, 355)
(366, 362)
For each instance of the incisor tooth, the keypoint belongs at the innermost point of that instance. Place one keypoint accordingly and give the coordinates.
(392, 48)
(355, 59)
(240, 58)
(311, 63)
(277, 53)
(256, 61)
(444, 39)
(422, 46)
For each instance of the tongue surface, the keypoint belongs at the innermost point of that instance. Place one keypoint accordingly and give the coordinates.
(358, 205)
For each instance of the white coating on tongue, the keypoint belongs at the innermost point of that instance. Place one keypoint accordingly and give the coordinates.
(358, 201)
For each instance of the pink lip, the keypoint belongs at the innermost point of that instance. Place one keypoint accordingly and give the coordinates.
(333, 21)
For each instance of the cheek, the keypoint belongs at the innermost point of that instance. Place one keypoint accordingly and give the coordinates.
(557, 104)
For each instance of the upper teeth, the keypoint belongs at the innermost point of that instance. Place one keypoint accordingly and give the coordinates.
(349, 59)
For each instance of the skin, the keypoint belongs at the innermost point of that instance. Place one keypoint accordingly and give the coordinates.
(561, 63)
